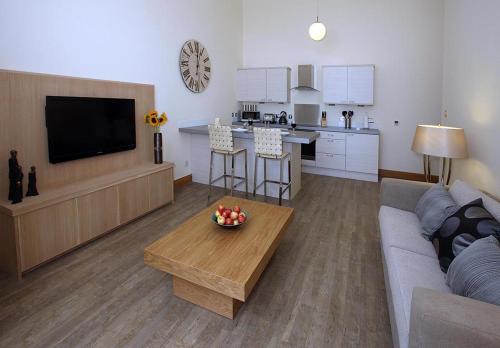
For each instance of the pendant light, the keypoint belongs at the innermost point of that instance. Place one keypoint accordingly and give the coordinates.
(317, 30)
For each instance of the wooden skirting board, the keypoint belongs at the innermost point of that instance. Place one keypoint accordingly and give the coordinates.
(183, 181)
(385, 173)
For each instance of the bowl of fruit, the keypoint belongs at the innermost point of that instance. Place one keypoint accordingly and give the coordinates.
(227, 217)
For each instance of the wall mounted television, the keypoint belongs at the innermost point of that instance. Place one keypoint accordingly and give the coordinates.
(80, 127)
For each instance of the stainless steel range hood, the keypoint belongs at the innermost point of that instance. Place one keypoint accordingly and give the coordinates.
(306, 78)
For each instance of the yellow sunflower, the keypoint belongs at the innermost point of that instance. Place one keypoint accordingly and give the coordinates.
(146, 118)
(162, 119)
(153, 121)
(153, 113)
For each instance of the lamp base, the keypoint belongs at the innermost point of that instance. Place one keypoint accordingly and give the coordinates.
(444, 176)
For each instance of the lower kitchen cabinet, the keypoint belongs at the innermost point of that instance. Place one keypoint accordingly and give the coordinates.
(349, 155)
(161, 190)
(330, 161)
(362, 153)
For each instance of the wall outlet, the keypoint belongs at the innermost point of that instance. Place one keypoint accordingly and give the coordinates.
(396, 123)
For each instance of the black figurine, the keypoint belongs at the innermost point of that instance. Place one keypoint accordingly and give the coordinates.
(17, 197)
(13, 164)
(32, 191)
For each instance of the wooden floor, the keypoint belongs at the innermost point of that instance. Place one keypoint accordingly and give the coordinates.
(323, 288)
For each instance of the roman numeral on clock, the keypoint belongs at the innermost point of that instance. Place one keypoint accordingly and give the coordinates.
(185, 63)
(191, 83)
(185, 73)
(190, 45)
(205, 77)
(205, 60)
(207, 69)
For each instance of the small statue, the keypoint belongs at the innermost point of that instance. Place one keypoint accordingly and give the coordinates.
(32, 191)
(13, 164)
(18, 190)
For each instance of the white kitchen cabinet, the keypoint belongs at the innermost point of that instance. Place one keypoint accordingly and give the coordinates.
(256, 85)
(362, 153)
(242, 85)
(360, 85)
(330, 161)
(263, 85)
(335, 85)
(348, 85)
(278, 85)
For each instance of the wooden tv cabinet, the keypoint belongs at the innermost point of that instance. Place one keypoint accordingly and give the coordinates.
(59, 220)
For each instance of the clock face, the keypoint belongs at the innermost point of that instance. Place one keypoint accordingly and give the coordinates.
(195, 66)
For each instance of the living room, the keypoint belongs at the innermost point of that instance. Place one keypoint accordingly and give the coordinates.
(179, 225)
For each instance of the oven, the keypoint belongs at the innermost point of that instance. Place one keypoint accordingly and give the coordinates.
(308, 151)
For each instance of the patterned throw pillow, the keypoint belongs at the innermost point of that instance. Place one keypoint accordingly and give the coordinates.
(470, 222)
(475, 273)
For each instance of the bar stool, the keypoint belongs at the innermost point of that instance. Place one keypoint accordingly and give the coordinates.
(269, 146)
(221, 143)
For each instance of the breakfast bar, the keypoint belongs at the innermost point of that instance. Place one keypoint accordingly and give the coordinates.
(200, 158)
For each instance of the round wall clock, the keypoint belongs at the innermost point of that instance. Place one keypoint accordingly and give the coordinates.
(195, 66)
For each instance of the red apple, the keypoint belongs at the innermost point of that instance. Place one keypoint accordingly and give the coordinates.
(241, 218)
(227, 211)
(234, 215)
(229, 221)
(237, 209)
(221, 208)
(225, 214)
(242, 214)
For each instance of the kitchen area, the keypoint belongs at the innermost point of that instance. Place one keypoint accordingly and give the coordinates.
(319, 140)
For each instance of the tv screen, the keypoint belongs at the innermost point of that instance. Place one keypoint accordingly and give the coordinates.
(80, 127)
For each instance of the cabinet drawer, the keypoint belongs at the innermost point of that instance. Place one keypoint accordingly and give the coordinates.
(331, 146)
(362, 163)
(332, 135)
(330, 161)
(46, 233)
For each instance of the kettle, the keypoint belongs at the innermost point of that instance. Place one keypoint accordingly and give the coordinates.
(282, 119)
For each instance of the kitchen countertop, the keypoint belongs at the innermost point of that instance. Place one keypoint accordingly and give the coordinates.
(299, 137)
(310, 127)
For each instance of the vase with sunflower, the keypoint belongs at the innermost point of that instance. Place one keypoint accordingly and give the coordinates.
(155, 120)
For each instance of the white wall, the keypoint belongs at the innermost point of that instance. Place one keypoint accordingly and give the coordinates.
(403, 38)
(472, 87)
(132, 41)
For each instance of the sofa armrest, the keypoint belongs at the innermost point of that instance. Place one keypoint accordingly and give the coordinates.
(402, 194)
(445, 320)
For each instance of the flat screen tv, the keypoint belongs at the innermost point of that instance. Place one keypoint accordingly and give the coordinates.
(80, 127)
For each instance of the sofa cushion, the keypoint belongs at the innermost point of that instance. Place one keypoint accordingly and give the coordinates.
(475, 273)
(470, 222)
(401, 228)
(407, 270)
(435, 205)
(463, 194)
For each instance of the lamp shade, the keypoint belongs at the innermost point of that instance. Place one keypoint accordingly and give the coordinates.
(440, 141)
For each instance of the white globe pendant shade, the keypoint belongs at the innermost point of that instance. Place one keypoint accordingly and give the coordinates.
(317, 31)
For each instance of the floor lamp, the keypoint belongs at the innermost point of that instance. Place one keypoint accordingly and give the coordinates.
(447, 143)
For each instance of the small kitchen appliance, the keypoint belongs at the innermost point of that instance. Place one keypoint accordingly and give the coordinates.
(283, 118)
(250, 115)
(269, 118)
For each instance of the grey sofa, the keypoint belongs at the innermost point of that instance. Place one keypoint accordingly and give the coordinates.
(423, 311)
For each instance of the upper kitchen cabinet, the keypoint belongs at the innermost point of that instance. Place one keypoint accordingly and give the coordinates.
(348, 85)
(263, 85)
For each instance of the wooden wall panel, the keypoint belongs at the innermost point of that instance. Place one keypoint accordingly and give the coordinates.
(98, 213)
(161, 190)
(22, 126)
(47, 232)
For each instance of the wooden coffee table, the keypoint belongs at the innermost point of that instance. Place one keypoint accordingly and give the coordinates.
(215, 267)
